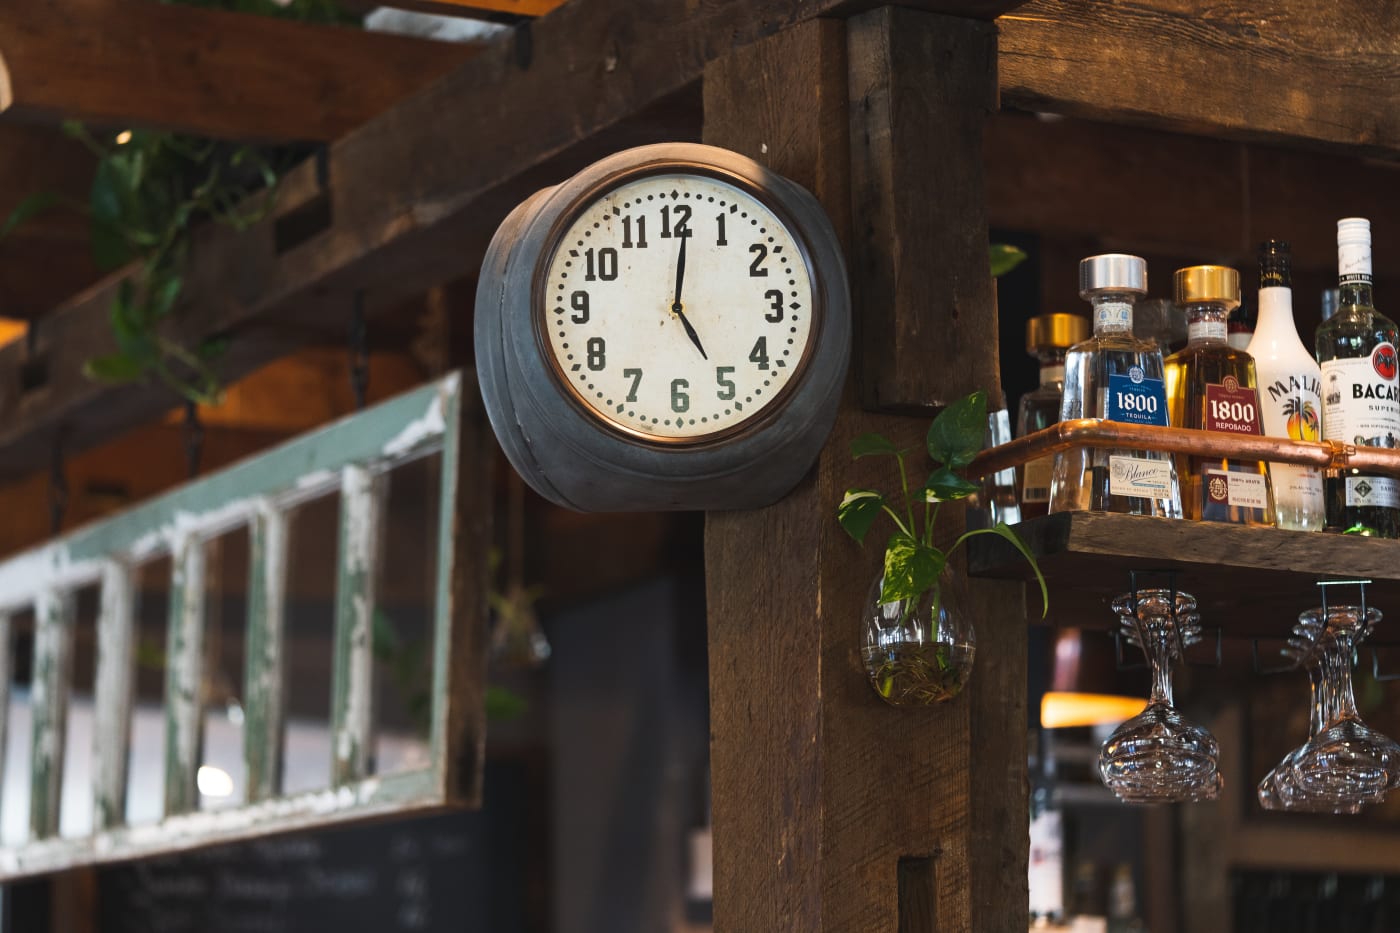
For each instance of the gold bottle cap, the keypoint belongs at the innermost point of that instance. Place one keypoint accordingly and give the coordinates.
(1055, 331)
(1196, 284)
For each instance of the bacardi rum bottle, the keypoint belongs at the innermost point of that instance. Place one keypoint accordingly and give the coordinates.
(1360, 391)
(1210, 387)
(1118, 377)
(1048, 338)
(1290, 386)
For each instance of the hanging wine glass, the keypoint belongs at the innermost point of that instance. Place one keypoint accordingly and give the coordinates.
(1158, 756)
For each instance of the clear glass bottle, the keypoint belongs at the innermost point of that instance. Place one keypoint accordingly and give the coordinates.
(1118, 377)
(1290, 387)
(1211, 387)
(1048, 338)
(1360, 391)
(1046, 871)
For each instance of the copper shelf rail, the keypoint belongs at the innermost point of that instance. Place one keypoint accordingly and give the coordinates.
(1093, 432)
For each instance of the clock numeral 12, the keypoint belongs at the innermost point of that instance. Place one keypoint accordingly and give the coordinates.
(682, 227)
(606, 264)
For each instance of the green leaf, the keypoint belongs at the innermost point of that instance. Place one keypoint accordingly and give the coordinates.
(114, 368)
(944, 486)
(110, 249)
(31, 206)
(871, 444)
(858, 511)
(163, 295)
(1005, 258)
(911, 568)
(503, 705)
(212, 348)
(957, 433)
(1001, 529)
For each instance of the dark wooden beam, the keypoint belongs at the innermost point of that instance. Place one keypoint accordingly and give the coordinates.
(1291, 70)
(232, 76)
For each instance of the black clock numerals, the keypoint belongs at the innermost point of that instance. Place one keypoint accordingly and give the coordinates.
(636, 376)
(775, 301)
(727, 388)
(759, 353)
(579, 302)
(680, 401)
(641, 242)
(597, 353)
(756, 269)
(719, 238)
(682, 226)
(606, 264)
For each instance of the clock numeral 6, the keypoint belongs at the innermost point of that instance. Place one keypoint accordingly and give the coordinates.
(636, 376)
(726, 386)
(775, 297)
(756, 269)
(679, 400)
(759, 353)
(579, 302)
(597, 353)
(606, 264)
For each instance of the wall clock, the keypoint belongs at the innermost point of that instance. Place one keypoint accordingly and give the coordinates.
(667, 329)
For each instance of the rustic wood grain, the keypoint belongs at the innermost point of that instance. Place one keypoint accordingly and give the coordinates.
(1324, 73)
(820, 789)
(921, 89)
(125, 63)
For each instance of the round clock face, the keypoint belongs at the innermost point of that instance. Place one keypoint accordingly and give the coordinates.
(677, 307)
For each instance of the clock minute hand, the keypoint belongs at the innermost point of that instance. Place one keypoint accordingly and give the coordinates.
(677, 308)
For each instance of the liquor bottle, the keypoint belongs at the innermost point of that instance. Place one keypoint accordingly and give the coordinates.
(1290, 386)
(1118, 377)
(1048, 337)
(1241, 325)
(1211, 387)
(1046, 871)
(1329, 302)
(1356, 347)
(1122, 903)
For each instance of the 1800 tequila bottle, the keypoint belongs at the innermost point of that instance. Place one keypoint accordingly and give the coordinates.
(1118, 377)
(1360, 390)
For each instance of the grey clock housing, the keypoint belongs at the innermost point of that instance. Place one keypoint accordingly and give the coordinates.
(577, 460)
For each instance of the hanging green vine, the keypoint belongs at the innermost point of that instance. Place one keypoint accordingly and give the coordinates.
(150, 189)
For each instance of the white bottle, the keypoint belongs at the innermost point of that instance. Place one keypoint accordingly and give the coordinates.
(1290, 383)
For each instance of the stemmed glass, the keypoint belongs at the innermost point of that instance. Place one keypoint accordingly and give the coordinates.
(1158, 756)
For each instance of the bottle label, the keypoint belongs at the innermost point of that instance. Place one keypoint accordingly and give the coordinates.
(1035, 484)
(1116, 315)
(1206, 330)
(1381, 492)
(1231, 407)
(1049, 375)
(1237, 489)
(1137, 476)
(1135, 399)
(1361, 401)
(1353, 262)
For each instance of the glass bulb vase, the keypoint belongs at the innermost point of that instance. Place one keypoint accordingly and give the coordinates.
(918, 652)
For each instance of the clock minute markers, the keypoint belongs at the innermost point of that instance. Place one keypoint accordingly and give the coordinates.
(677, 307)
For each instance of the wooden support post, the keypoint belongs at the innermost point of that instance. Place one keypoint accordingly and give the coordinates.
(184, 675)
(53, 662)
(832, 810)
(6, 673)
(112, 698)
(263, 668)
(352, 691)
(921, 88)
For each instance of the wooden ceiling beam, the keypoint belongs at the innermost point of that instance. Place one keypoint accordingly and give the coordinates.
(1325, 74)
(119, 63)
(479, 8)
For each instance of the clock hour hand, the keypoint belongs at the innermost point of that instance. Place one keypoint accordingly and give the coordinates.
(690, 332)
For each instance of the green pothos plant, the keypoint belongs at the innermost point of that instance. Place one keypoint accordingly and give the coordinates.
(913, 564)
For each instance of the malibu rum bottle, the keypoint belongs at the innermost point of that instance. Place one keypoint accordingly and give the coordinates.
(1360, 403)
(1118, 377)
(1290, 386)
(1211, 387)
(1048, 338)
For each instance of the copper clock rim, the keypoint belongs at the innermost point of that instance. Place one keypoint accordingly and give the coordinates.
(539, 312)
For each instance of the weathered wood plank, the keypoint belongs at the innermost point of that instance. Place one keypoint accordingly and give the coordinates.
(1326, 74)
(149, 64)
(113, 695)
(352, 685)
(7, 667)
(413, 197)
(48, 697)
(184, 675)
(458, 728)
(921, 89)
(263, 717)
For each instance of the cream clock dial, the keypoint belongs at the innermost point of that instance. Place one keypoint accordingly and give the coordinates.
(667, 329)
(677, 307)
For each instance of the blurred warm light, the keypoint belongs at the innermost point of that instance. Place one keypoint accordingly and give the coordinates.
(214, 782)
(123, 137)
(1059, 710)
(11, 330)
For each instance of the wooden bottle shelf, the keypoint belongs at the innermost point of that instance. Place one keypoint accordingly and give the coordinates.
(1250, 582)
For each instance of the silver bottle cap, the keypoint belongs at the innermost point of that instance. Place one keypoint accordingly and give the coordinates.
(1117, 271)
